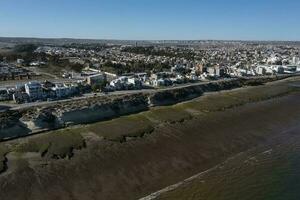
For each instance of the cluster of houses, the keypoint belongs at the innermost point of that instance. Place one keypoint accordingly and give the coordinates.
(113, 82)
(200, 73)
(211, 61)
(36, 91)
(125, 83)
(179, 74)
(12, 72)
(259, 70)
(276, 69)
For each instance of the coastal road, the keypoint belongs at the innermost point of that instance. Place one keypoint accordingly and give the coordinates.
(13, 106)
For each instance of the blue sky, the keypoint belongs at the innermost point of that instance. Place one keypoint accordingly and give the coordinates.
(152, 19)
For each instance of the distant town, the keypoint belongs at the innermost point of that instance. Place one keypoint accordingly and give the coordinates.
(33, 72)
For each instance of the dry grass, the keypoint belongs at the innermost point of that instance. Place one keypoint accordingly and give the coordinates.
(169, 114)
(228, 99)
(120, 128)
(58, 144)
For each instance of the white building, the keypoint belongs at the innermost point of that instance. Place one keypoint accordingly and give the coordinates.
(61, 90)
(215, 71)
(135, 82)
(295, 60)
(263, 70)
(142, 76)
(20, 61)
(277, 69)
(273, 59)
(34, 90)
(158, 82)
(96, 79)
(290, 69)
(36, 63)
(119, 83)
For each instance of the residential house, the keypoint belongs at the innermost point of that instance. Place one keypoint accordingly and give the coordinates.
(34, 90)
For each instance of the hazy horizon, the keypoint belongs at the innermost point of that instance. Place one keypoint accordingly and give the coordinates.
(113, 39)
(266, 20)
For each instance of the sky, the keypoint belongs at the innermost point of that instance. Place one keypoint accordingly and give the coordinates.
(152, 19)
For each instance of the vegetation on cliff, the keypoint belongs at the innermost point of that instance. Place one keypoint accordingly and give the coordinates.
(57, 145)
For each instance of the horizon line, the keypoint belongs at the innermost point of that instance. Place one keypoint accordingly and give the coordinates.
(70, 38)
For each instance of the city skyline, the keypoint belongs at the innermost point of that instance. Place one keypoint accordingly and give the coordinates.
(151, 20)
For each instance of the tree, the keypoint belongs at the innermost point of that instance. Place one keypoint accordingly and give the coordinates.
(99, 86)
(25, 48)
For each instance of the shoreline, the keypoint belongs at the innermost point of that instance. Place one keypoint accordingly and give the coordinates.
(144, 152)
(175, 186)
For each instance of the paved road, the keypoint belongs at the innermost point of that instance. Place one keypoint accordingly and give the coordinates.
(91, 95)
(13, 106)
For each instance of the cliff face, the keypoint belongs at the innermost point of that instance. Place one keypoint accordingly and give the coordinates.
(37, 119)
(173, 96)
(100, 111)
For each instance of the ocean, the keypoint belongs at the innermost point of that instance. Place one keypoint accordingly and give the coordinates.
(266, 172)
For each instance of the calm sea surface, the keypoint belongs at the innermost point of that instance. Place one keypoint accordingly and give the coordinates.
(269, 172)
